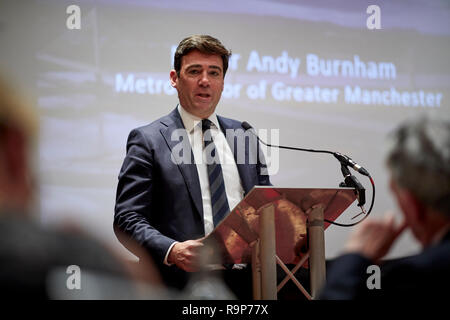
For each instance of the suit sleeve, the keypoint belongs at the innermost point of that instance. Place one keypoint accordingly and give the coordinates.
(346, 278)
(134, 199)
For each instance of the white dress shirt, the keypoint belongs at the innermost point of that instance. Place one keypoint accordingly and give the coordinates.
(232, 180)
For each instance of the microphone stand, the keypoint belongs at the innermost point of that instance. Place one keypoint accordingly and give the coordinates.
(351, 181)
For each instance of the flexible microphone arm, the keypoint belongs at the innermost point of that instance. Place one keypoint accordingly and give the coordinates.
(247, 126)
(350, 181)
(343, 159)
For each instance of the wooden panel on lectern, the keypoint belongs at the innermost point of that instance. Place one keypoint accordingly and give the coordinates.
(240, 228)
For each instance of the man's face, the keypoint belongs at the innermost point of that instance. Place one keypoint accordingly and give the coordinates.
(200, 83)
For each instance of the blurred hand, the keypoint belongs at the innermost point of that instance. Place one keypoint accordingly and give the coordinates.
(374, 238)
(186, 255)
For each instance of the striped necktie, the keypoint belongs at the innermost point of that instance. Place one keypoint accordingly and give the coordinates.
(219, 201)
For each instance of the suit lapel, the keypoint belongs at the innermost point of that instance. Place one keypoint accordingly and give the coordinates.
(188, 170)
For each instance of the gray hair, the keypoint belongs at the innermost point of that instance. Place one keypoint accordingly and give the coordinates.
(419, 160)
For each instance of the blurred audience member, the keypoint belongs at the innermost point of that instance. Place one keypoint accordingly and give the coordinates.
(419, 166)
(43, 263)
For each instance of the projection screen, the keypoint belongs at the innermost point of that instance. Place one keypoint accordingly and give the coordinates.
(310, 74)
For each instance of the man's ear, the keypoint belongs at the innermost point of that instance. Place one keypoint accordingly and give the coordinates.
(411, 206)
(173, 78)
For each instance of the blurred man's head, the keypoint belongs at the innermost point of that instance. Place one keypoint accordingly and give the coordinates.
(419, 163)
(18, 128)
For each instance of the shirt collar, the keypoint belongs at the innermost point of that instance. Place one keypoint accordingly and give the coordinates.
(190, 121)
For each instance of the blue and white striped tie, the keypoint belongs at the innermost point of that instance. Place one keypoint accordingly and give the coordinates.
(219, 202)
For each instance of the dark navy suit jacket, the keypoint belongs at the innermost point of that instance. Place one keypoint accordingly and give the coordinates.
(422, 276)
(159, 201)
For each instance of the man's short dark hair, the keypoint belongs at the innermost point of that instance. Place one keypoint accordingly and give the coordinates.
(203, 43)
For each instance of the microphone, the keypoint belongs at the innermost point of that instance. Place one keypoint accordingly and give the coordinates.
(343, 159)
(350, 181)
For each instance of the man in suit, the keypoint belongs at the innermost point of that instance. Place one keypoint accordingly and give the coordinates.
(419, 164)
(170, 194)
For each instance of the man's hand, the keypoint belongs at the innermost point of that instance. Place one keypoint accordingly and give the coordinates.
(186, 255)
(374, 238)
